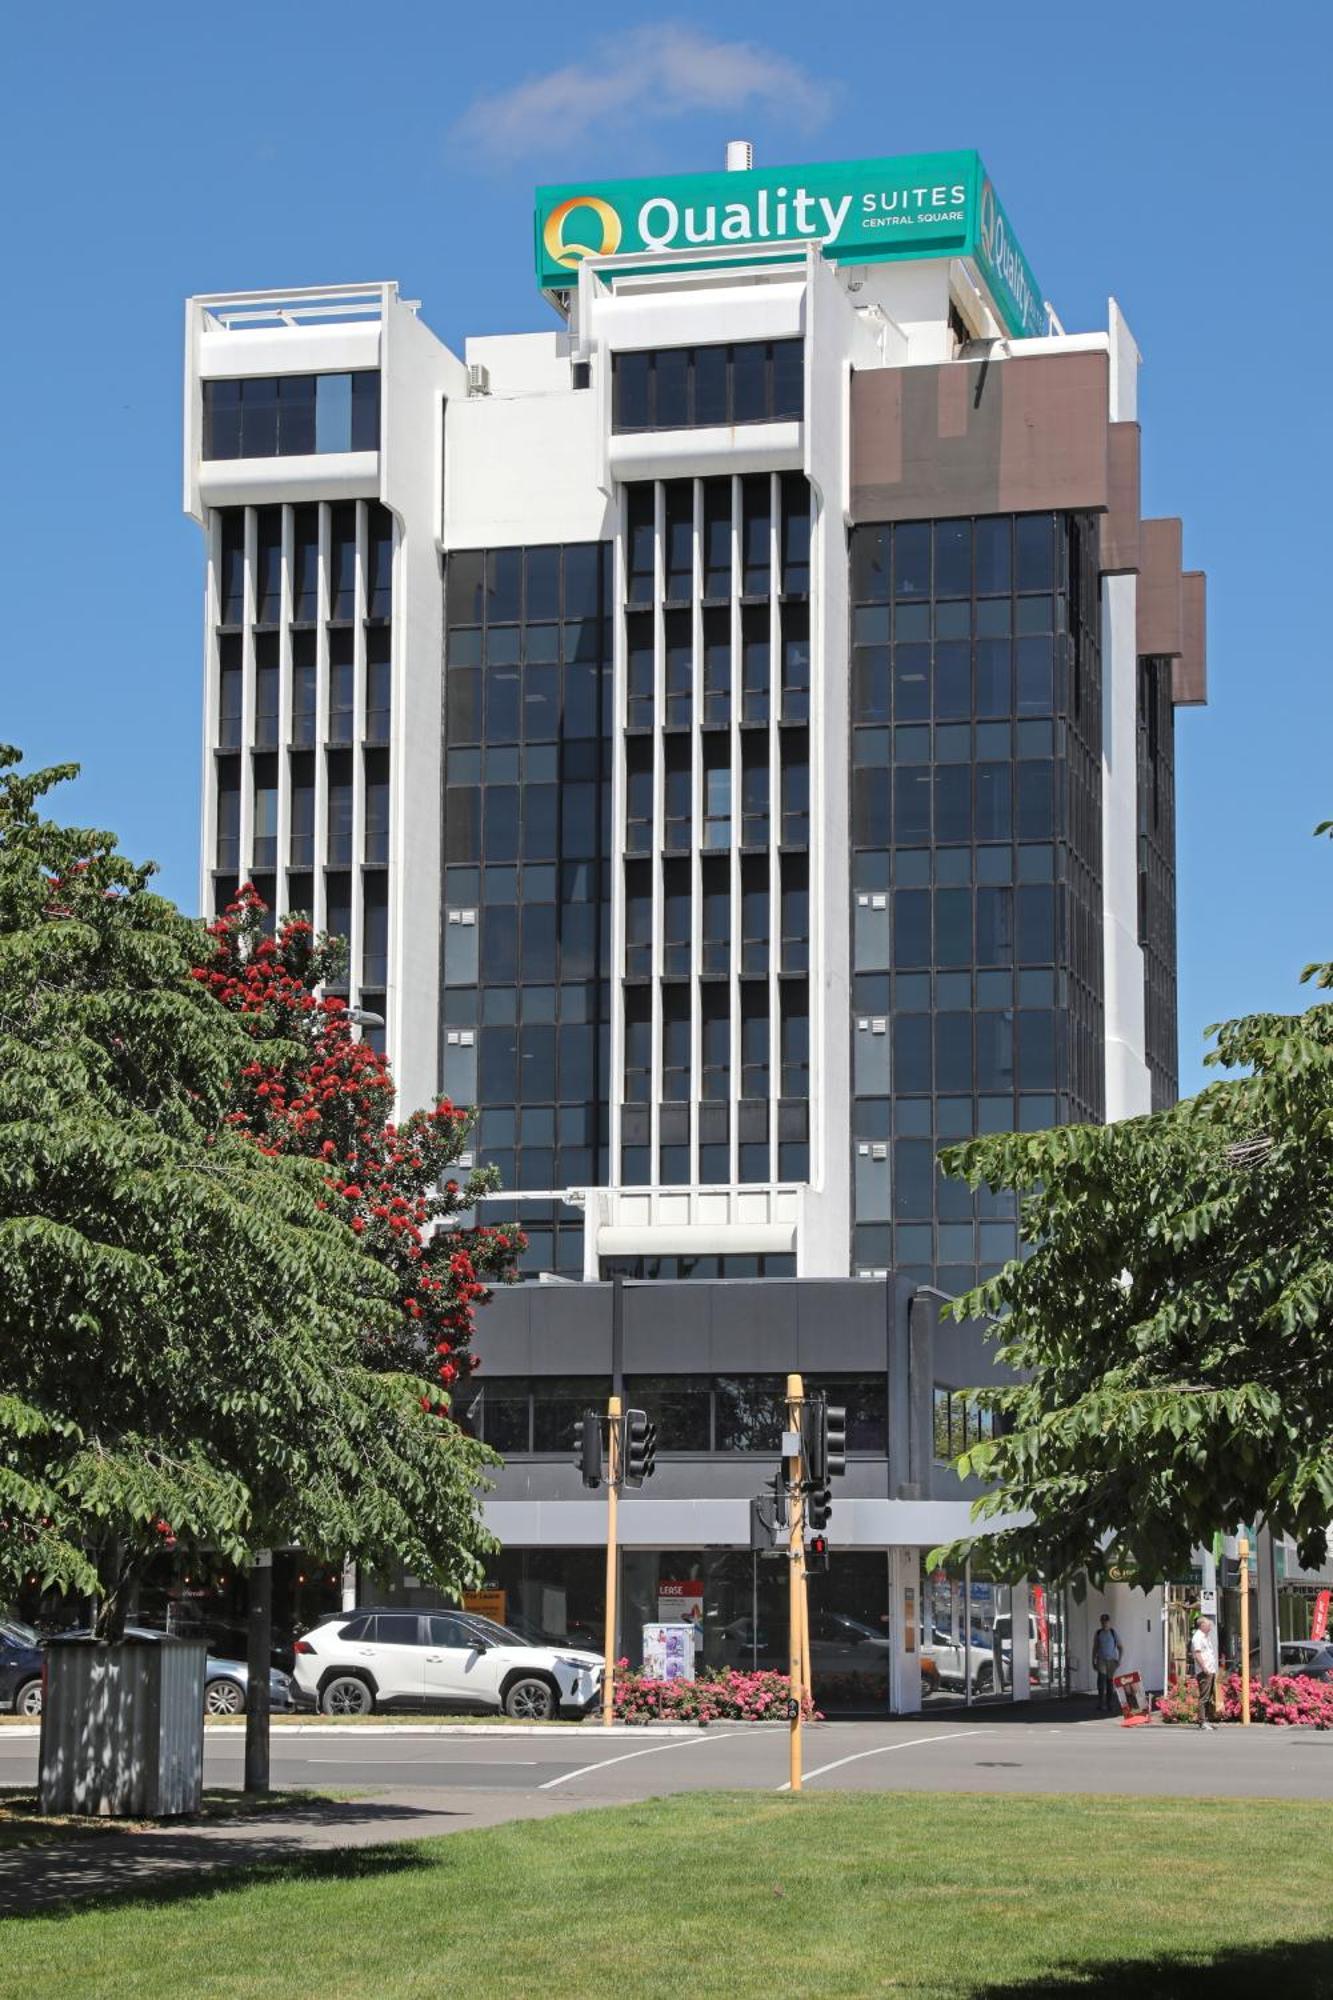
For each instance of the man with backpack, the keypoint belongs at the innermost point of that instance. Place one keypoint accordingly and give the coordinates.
(1106, 1656)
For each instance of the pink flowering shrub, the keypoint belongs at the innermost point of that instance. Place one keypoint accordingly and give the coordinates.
(724, 1696)
(1288, 1701)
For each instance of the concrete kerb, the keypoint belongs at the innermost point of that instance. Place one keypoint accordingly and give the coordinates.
(592, 1732)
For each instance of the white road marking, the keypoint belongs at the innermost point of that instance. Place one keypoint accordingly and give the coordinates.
(883, 1750)
(500, 1764)
(628, 1757)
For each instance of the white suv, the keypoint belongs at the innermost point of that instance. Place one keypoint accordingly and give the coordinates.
(361, 1660)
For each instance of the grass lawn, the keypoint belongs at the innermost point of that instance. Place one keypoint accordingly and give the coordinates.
(730, 1894)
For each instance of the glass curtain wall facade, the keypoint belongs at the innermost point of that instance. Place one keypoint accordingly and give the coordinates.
(1157, 876)
(303, 677)
(527, 877)
(714, 992)
(976, 869)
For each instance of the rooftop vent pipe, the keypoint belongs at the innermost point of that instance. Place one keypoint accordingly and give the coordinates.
(740, 156)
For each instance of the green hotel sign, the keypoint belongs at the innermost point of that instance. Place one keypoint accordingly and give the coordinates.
(859, 211)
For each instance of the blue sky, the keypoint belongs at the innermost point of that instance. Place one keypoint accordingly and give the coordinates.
(1175, 159)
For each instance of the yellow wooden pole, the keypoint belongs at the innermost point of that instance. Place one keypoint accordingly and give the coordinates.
(1243, 1552)
(612, 1477)
(805, 1615)
(796, 1580)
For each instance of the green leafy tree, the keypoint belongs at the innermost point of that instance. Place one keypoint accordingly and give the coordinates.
(183, 1315)
(1173, 1322)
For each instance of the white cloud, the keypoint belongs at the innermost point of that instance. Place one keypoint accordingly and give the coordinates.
(644, 76)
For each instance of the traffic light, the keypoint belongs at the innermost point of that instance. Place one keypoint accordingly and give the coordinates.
(814, 1434)
(640, 1448)
(588, 1447)
(816, 1552)
(835, 1440)
(818, 1507)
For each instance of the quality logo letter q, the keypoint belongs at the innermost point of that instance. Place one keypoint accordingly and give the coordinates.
(571, 255)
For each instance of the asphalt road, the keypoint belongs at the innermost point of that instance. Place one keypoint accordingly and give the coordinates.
(1000, 1751)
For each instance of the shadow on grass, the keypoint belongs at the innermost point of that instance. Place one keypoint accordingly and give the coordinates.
(1239, 1973)
(97, 1887)
(53, 1874)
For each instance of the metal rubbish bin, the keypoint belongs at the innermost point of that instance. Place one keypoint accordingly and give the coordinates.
(123, 1728)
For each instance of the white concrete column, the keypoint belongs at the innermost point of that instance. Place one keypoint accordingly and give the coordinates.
(1020, 1650)
(905, 1630)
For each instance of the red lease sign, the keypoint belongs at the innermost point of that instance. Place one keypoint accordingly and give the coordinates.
(1319, 1625)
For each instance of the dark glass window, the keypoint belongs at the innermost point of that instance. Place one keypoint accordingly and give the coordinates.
(715, 1004)
(749, 1412)
(717, 791)
(754, 790)
(303, 689)
(678, 533)
(711, 385)
(231, 568)
(639, 537)
(676, 1047)
(717, 667)
(716, 914)
(754, 1039)
(291, 415)
(379, 561)
(375, 927)
(795, 535)
(638, 1045)
(679, 1406)
(787, 390)
(676, 908)
(754, 663)
(229, 691)
(795, 913)
(754, 915)
(228, 852)
(342, 561)
(268, 565)
(679, 669)
(266, 690)
(717, 538)
(795, 1039)
(558, 1401)
(795, 663)
(756, 529)
(678, 388)
(305, 564)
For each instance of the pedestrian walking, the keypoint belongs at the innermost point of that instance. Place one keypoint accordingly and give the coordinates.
(1107, 1653)
(1203, 1651)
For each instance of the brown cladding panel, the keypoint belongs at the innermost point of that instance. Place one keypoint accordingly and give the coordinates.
(1120, 523)
(1189, 674)
(1016, 435)
(1160, 604)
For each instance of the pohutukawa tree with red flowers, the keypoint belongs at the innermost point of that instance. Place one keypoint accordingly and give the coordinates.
(315, 1089)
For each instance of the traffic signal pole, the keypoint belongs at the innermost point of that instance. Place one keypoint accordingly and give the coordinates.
(612, 1563)
(796, 1619)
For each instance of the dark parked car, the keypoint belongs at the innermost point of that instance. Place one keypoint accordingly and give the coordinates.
(1311, 1657)
(20, 1668)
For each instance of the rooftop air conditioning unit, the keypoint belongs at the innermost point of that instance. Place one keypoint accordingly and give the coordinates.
(478, 379)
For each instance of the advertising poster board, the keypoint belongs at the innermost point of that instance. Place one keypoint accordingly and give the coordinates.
(682, 1603)
(668, 1652)
(486, 1604)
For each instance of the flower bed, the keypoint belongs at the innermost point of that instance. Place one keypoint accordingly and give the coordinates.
(721, 1696)
(1289, 1701)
